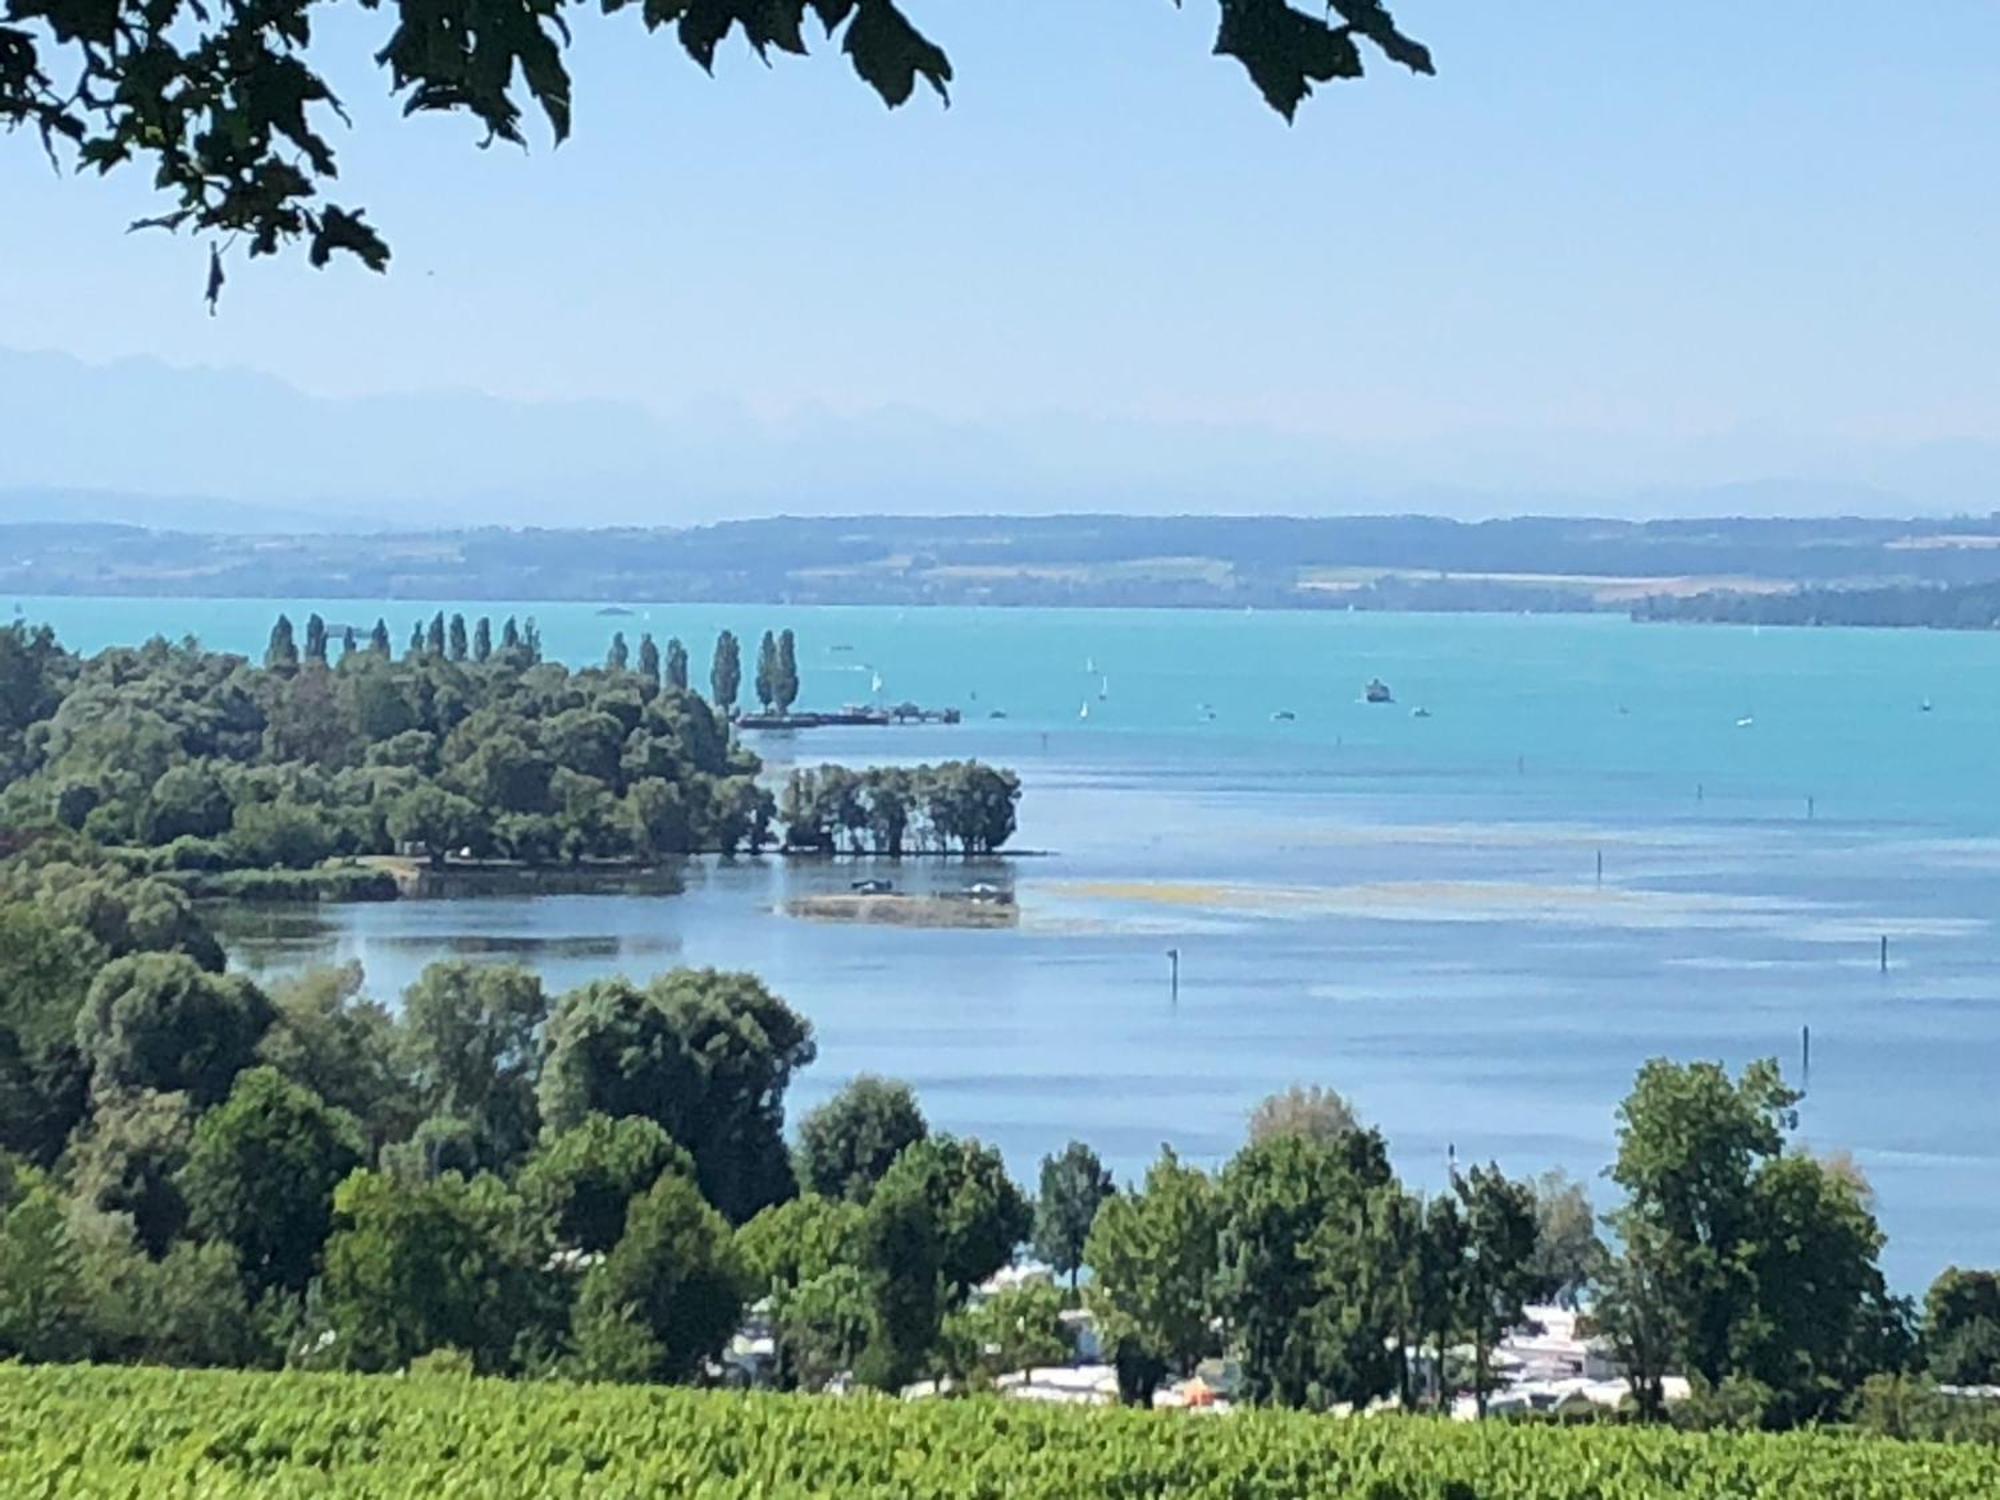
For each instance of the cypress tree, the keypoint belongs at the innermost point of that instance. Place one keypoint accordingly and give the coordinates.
(510, 635)
(482, 639)
(618, 658)
(531, 637)
(315, 638)
(348, 645)
(767, 670)
(649, 659)
(787, 679)
(283, 652)
(378, 638)
(417, 639)
(725, 676)
(458, 646)
(677, 664)
(434, 638)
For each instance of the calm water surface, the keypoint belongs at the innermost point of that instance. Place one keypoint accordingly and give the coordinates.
(1405, 908)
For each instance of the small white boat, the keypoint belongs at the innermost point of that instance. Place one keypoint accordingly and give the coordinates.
(1084, 712)
(1746, 721)
(1925, 707)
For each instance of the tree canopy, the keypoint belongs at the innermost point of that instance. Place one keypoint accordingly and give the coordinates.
(228, 108)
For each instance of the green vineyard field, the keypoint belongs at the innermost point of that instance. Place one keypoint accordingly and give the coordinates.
(135, 1434)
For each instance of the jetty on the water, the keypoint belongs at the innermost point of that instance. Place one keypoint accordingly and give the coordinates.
(902, 713)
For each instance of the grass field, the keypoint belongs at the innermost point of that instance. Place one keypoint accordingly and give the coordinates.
(153, 1434)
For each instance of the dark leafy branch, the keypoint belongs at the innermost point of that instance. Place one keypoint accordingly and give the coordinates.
(220, 97)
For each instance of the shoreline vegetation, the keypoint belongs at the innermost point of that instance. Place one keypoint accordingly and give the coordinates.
(340, 770)
(1942, 572)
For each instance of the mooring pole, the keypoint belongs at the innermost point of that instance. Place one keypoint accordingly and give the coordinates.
(1885, 953)
(1174, 975)
(1600, 869)
(1805, 1060)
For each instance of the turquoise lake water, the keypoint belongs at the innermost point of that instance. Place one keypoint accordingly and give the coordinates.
(1405, 908)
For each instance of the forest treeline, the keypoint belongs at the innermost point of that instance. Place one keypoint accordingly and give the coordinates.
(467, 741)
(1225, 561)
(1972, 606)
(202, 1171)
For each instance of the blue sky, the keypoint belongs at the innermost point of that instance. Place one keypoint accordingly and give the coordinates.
(1700, 241)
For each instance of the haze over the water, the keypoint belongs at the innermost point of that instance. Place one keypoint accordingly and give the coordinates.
(1651, 259)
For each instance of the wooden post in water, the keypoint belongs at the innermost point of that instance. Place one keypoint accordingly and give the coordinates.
(1805, 1061)
(1174, 975)
(1885, 953)
(1600, 869)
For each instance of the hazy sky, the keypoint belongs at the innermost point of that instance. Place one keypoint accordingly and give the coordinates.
(1773, 221)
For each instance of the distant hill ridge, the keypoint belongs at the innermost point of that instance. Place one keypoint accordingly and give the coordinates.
(1362, 562)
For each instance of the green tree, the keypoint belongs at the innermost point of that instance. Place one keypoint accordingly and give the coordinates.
(1568, 1252)
(1308, 1281)
(979, 1215)
(822, 1326)
(48, 968)
(328, 1038)
(1074, 1186)
(649, 659)
(128, 1161)
(278, 103)
(44, 1316)
(378, 639)
(348, 644)
(706, 1054)
(1153, 1256)
(1821, 1299)
(315, 639)
(619, 657)
(281, 835)
(583, 1180)
(673, 1280)
(848, 1143)
(159, 1021)
(791, 1243)
(510, 636)
(434, 820)
(456, 642)
(472, 1047)
(767, 671)
(282, 654)
(1017, 1329)
(417, 1266)
(1689, 1141)
(189, 801)
(785, 677)
(677, 665)
(1317, 1114)
(186, 1309)
(434, 636)
(261, 1175)
(1962, 1327)
(482, 641)
(725, 676)
(1498, 1276)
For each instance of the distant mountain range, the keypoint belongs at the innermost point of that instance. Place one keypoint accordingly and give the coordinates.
(229, 450)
